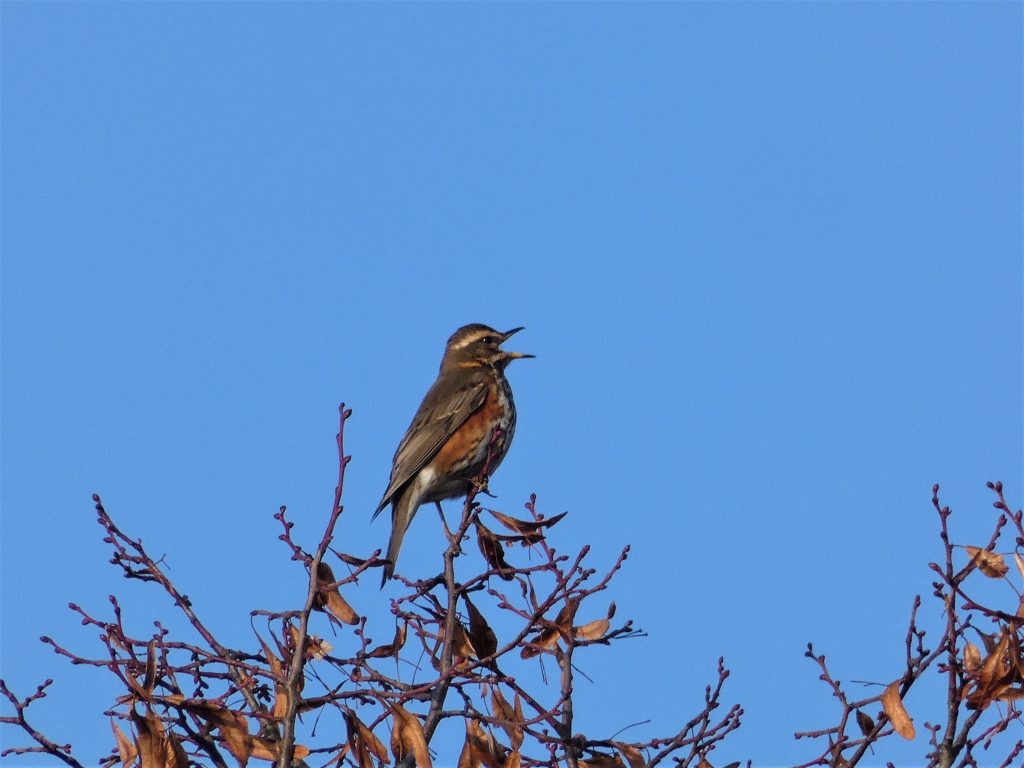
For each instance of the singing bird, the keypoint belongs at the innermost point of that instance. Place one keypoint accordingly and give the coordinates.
(466, 417)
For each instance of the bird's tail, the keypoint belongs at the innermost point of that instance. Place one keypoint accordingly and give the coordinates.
(401, 515)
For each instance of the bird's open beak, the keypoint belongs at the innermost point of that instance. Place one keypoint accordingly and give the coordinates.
(513, 355)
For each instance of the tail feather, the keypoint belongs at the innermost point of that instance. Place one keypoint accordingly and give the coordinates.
(402, 511)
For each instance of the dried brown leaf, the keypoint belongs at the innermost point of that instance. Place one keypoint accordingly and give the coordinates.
(989, 641)
(272, 661)
(347, 559)
(329, 598)
(865, 723)
(277, 670)
(997, 672)
(234, 730)
(392, 648)
(526, 527)
(480, 633)
(233, 726)
(178, 757)
(407, 737)
(896, 712)
(375, 745)
(364, 743)
(1020, 564)
(989, 563)
(512, 760)
(468, 758)
(149, 681)
(268, 749)
(484, 748)
(462, 646)
(492, 551)
(996, 666)
(126, 748)
(596, 629)
(156, 749)
(509, 721)
(152, 747)
(632, 755)
(972, 657)
(547, 638)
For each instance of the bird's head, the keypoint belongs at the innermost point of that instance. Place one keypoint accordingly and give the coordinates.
(478, 344)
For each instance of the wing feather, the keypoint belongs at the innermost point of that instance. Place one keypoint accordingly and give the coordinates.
(440, 414)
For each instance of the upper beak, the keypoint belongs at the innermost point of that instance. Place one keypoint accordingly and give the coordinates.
(513, 355)
(509, 334)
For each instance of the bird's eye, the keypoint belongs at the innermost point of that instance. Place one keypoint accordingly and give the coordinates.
(488, 340)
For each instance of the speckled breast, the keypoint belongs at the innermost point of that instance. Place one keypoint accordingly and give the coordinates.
(464, 456)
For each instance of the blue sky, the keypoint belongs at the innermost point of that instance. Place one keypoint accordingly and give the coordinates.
(768, 257)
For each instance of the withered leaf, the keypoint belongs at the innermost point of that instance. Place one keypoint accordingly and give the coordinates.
(280, 697)
(895, 711)
(547, 638)
(392, 649)
(632, 755)
(347, 559)
(972, 657)
(512, 760)
(267, 749)
(989, 563)
(233, 726)
(363, 759)
(605, 760)
(234, 730)
(1012, 694)
(375, 745)
(1000, 670)
(329, 598)
(510, 722)
(526, 528)
(865, 723)
(152, 744)
(157, 749)
(178, 757)
(462, 646)
(407, 737)
(480, 633)
(364, 743)
(468, 757)
(596, 629)
(126, 748)
(150, 679)
(481, 745)
(492, 551)
(1020, 564)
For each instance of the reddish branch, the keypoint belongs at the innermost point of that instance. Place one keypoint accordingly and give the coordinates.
(965, 727)
(216, 704)
(43, 745)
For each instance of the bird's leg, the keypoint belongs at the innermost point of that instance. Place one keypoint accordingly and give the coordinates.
(444, 523)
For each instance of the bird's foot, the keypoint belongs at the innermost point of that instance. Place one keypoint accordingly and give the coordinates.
(480, 485)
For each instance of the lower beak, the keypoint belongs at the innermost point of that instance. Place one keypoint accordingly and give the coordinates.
(513, 355)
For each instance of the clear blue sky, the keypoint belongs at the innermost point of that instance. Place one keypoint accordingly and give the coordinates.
(768, 257)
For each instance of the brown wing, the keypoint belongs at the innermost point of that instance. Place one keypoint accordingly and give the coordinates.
(442, 411)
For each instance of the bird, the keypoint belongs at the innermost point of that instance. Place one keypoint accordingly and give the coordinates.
(463, 427)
